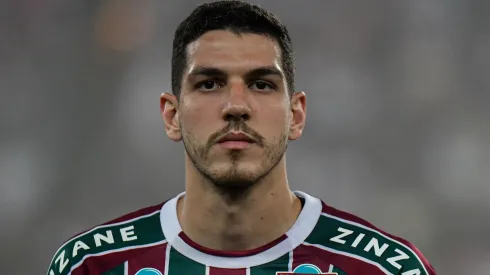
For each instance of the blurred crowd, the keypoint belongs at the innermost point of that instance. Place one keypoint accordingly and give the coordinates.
(398, 125)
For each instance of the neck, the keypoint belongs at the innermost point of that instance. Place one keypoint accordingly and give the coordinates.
(226, 221)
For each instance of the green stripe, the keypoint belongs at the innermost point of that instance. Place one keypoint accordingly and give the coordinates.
(338, 271)
(179, 265)
(119, 270)
(280, 264)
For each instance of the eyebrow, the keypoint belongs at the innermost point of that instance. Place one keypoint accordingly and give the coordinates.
(254, 73)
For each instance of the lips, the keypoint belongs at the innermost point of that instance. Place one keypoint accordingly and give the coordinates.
(236, 141)
(236, 137)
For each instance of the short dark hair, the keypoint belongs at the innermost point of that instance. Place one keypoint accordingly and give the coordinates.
(235, 16)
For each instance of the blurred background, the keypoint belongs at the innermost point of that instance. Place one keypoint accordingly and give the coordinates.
(398, 125)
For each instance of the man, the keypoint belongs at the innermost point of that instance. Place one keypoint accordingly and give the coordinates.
(234, 108)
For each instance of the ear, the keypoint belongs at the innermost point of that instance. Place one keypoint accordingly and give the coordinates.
(298, 118)
(168, 109)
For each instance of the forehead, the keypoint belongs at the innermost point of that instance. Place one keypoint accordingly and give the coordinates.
(230, 51)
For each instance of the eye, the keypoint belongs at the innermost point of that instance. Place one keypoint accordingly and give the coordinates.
(261, 86)
(208, 85)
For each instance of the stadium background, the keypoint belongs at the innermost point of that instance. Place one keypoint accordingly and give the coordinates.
(398, 125)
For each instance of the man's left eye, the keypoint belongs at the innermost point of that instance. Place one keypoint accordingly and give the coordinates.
(261, 86)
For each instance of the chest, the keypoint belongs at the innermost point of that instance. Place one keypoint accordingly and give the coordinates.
(172, 262)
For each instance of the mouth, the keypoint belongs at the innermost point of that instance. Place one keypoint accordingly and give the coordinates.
(236, 141)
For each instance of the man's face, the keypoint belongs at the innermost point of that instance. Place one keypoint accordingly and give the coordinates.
(234, 110)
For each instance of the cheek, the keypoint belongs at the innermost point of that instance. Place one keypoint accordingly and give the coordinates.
(274, 122)
(197, 119)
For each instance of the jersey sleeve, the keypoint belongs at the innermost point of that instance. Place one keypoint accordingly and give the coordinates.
(62, 263)
(359, 239)
(107, 246)
(428, 267)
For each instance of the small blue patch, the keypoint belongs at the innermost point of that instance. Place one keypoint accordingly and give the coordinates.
(306, 269)
(148, 271)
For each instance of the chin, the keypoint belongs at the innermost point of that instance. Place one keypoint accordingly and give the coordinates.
(237, 175)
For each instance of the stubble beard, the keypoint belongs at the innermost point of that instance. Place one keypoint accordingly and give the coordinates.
(233, 180)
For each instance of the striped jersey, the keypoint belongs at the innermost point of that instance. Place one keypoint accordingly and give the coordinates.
(323, 240)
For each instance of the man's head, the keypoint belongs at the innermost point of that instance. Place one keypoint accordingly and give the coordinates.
(234, 16)
(233, 103)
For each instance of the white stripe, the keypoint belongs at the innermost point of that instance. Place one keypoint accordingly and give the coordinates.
(379, 233)
(99, 227)
(350, 255)
(79, 263)
(247, 271)
(126, 267)
(330, 269)
(167, 259)
(290, 264)
(207, 270)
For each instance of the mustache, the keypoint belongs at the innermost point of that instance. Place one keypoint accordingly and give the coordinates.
(237, 126)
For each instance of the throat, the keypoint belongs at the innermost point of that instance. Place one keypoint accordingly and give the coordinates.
(246, 226)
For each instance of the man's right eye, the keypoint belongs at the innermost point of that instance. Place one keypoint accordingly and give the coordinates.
(208, 85)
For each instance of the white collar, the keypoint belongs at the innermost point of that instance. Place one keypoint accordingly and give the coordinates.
(300, 230)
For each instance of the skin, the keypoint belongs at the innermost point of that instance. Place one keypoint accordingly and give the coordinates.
(235, 199)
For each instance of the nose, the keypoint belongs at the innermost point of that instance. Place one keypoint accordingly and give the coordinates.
(237, 106)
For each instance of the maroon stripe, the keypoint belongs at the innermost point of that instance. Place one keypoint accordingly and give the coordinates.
(220, 253)
(153, 258)
(224, 271)
(138, 213)
(304, 254)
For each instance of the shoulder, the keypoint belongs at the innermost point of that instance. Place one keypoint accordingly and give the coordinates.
(344, 233)
(111, 243)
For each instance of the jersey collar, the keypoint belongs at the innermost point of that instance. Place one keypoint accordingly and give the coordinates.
(300, 230)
